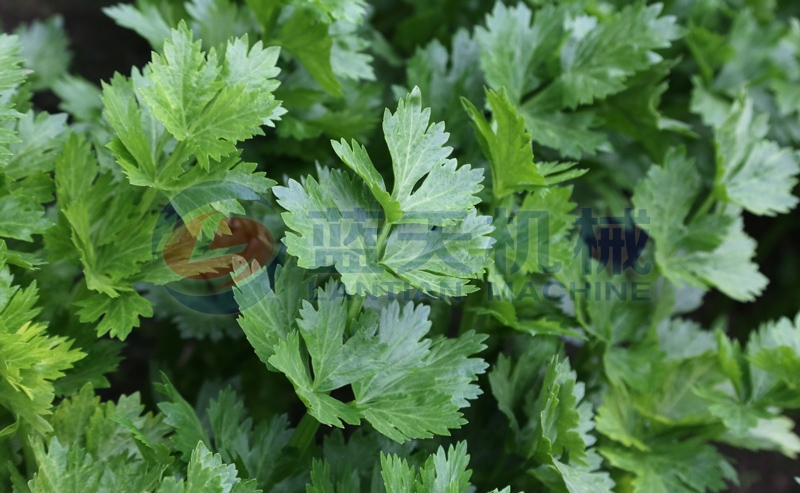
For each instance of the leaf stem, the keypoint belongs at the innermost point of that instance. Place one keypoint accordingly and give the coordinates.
(704, 207)
(353, 310)
(468, 314)
(303, 435)
(173, 158)
(147, 200)
(385, 230)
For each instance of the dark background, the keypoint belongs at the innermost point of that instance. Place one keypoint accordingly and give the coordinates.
(100, 48)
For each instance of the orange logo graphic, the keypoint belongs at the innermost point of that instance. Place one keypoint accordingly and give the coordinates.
(252, 237)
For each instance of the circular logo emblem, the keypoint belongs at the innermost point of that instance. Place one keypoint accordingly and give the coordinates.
(210, 238)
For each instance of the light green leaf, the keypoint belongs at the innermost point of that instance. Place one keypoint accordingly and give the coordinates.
(447, 192)
(208, 474)
(64, 469)
(20, 217)
(75, 170)
(145, 19)
(79, 97)
(569, 133)
(11, 75)
(199, 105)
(513, 49)
(709, 250)
(32, 359)
(267, 314)
(40, 138)
(752, 172)
(597, 62)
(44, 48)
(216, 21)
(775, 349)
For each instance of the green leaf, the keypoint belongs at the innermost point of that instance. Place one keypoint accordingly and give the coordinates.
(569, 133)
(346, 203)
(266, 319)
(513, 49)
(507, 145)
(597, 62)
(211, 105)
(635, 111)
(730, 267)
(712, 108)
(32, 359)
(775, 433)
(775, 348)
(115, 430)
(752, 172)
(117, 315)
(334, 364)
(443, 471)
(709, 250)
(145, 19)
(787, 96)
(445, 78)
(308, 40)
(537, 239)
(513, 383)
(398, 476)
(44, 48)
(259, 448)
(71, 418)
(438, 243)
(208, 474)
(682, 468)
(11, 75)
(355, 156)
(136, 132)
(343, 210)
(189, 433)
(348, 59)
(440, 259)
(417, 148)
(218, 20)
(40, 138)
(405, 386)
(556, 434)
(444, 196)
(327, 410)
(79, 97)
(64, 469)
(412, 370)
(560, 432)
(618, 419)
(75, 170)
(684, 339)
(21, 217)
(446, 470)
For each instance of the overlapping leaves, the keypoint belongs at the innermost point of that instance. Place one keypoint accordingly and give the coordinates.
(426, 232)
(404, 384)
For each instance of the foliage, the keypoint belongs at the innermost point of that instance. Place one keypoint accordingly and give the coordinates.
(339, 301)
